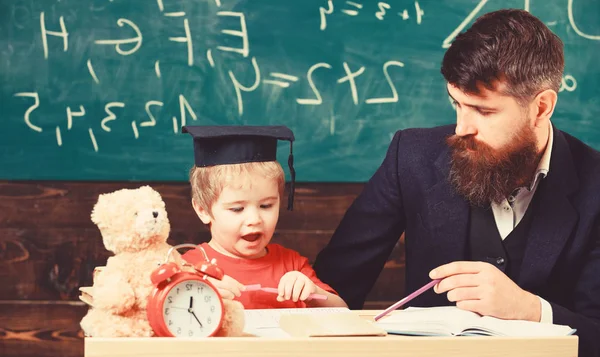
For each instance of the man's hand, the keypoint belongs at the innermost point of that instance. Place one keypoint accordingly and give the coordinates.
(296, 286)
(228, 287)
(482, 288)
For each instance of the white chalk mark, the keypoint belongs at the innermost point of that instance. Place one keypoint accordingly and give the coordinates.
(137, 39)
(323, 12)
(161, 7)
(218, 2)
(404, 15)
(356, 5)
(565, 85)
(188, 40)
(574, 26)
(332, 124)
(63, 33)
(92, 72)
(420, 12)
(350, 78)
(175, 126)
(175, 14)
(136, 134)
(239, 87)
(394, 97)
(157, 68)
(243, 33)
(58, 136)
(152, 121)
(36, 104)
(184, 106)
(277, 83)
(527, 5)
(551, 23)
(71, 114)
(350, 12)
(318, 100)
(93, 139)
(111, 116)
(210, 58)
(382, 10)
(284, 76)
(463, 24)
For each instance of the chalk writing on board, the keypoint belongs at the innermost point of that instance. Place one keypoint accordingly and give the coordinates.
(568, 83)
(574, 24)
(384, 9)
(131, 39)
(526, 7)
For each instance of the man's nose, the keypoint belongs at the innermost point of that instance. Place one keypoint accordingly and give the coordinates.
(464, 125)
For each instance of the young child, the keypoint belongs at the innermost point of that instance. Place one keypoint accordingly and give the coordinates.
(237, 185)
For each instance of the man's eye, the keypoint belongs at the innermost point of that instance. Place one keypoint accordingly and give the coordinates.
(236, 209)
(266, 206)
(484, 113)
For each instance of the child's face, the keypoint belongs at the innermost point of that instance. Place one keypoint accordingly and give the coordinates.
(244, 216)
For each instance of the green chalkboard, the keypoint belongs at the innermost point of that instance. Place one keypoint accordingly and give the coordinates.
(98, 89)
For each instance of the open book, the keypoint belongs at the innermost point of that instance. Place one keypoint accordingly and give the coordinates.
(452, 321)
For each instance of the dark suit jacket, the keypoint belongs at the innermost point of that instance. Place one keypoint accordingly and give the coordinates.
(410, 193)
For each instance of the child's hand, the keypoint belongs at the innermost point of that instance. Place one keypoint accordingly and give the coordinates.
(296, 286)
(228, 287)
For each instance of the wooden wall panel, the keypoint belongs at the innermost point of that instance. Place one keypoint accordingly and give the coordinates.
(41, 328)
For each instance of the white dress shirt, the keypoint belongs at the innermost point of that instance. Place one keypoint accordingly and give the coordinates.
(511, 210)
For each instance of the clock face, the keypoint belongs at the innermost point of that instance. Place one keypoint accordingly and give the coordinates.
(192, 309)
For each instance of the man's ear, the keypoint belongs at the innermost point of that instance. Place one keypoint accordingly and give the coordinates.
(544, 104)
(203, 214)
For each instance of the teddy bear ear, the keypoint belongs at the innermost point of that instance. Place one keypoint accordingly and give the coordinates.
(95, 216)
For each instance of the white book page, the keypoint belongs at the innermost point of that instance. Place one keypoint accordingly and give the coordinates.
(441, 320)
(520, 328)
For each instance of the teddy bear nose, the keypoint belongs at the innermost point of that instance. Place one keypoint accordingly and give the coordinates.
(155, 214)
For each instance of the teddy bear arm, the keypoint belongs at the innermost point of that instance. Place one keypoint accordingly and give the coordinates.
(113, 292)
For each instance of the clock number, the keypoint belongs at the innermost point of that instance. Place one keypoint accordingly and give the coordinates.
(212, 308)
(207, 298)
(179, 330)
(209, 320)
(170, 322)
(190, 333)
(177, 291)
(188, 287)
(167, 311)
(200, 289)
(170, 298)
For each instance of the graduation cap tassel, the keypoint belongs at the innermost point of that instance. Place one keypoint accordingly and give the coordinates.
(292, 181)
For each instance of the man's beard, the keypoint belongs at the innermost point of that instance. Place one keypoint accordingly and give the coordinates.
(486, 175)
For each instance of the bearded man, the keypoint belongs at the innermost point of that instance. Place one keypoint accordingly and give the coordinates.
(503, 207)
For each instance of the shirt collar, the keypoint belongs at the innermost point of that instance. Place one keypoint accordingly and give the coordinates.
(544, 164)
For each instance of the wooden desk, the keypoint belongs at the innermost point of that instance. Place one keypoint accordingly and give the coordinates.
(391, 345)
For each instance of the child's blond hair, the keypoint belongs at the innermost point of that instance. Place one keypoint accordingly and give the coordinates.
(208, 182)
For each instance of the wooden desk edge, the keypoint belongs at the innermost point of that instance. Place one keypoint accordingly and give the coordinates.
(391, 345)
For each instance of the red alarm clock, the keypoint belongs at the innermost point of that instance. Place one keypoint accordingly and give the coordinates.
(184, 303)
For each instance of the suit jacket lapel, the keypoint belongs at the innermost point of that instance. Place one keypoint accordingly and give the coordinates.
(553, 219)
(447, 216)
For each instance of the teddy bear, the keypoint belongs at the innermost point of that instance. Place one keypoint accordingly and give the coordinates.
(134, 226)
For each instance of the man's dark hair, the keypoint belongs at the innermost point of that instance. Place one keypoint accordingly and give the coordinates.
(510, 46)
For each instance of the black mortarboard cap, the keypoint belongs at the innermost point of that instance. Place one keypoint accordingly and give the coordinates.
(229, 144)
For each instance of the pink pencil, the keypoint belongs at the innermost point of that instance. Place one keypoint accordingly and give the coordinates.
(256, 287)
(408, 298)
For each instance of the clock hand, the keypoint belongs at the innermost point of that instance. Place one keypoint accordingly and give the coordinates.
(191, 302)
(196, 317)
